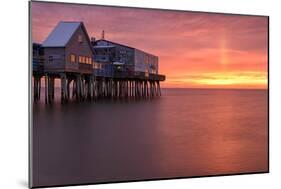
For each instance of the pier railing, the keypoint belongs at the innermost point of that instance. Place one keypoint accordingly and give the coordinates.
(85, 68)
(130, 75)
(157, 77)
(137, 75)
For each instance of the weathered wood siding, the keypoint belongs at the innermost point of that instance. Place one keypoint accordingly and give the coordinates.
(123, 54)
(153, 65)
(54, 59)
(37, 58)
(104, 54)
(78, 49)
(145, 62)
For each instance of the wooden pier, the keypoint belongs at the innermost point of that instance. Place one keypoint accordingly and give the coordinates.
(89, 69)
(81, 87)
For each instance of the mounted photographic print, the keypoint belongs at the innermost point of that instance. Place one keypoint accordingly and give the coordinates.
(121, 94)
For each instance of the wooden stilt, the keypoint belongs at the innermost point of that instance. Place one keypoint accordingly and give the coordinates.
(35, 90)
(46, 89)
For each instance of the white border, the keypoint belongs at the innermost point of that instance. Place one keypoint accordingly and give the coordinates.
(14, 92)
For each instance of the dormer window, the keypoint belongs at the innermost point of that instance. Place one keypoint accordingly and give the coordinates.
(80, 38)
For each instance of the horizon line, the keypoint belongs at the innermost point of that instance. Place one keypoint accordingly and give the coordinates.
(214, 88)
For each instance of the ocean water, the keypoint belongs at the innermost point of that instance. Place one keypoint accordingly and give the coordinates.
(183, 133)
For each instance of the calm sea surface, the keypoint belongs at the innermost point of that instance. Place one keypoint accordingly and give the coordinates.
(185, 132)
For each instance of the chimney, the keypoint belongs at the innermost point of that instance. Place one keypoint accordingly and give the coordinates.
(102, 34)
(93, 41)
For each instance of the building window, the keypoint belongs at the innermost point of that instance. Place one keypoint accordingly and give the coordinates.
(80, 59)
(50, 59)
(89, 60)
(80, 38)
(72, 58)
(84, 60)
(96, 65)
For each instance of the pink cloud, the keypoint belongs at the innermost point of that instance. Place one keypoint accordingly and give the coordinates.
(186, 42)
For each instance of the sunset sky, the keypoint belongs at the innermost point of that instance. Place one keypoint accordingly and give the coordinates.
(197, 50)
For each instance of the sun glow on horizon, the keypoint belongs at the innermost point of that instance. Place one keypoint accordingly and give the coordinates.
(222, 80)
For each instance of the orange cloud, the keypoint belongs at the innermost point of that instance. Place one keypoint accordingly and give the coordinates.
(219, 50)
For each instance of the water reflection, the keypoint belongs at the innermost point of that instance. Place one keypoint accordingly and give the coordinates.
(183, 133)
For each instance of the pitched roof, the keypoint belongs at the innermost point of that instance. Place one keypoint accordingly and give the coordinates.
(61, 34)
